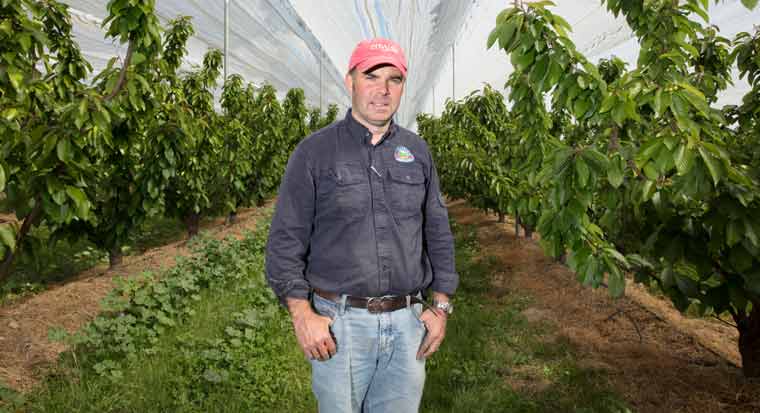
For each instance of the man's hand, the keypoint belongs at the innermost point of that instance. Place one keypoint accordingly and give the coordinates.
(312, 330)
(435, 322)
(436, 330)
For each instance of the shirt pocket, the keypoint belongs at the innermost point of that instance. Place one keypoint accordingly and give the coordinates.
(407, 191)
(349, 193)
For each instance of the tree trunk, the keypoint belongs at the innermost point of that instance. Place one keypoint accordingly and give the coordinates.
(517, 225)
(192, 222)
(501, 217)
(29, 221)
(528, 231)
(232, 218)
(114, 257)
(749, 341)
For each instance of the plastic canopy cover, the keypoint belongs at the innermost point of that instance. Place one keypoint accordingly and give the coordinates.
(307, 43)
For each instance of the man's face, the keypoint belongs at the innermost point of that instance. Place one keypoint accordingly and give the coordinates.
(375, 95)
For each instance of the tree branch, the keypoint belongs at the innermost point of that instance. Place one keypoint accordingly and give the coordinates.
(123, 73)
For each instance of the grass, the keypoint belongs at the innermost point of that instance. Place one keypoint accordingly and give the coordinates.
(169, 380)
(231, 350)
(494, 360)
(236, 352)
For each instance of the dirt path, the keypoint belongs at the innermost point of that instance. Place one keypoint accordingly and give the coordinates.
(25, 350)
(657, 359)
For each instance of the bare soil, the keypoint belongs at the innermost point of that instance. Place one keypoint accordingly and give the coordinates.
(657, 359)
(25, 351)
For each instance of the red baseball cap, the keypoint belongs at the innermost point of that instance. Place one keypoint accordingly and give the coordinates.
(377, 51)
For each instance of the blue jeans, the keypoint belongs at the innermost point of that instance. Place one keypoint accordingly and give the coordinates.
(375, 368)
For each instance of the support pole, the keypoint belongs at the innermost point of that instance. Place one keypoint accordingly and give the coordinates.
(226, 37)
(433, 100)
(453, 73)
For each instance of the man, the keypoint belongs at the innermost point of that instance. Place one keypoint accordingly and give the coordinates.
(360, 230)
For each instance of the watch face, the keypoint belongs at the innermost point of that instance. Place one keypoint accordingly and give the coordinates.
(446, 307)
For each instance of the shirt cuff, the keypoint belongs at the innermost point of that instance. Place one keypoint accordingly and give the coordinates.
(445, 283)
(294, 289)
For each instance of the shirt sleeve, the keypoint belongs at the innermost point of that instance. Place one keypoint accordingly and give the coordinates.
(290, 232)
(439, 242)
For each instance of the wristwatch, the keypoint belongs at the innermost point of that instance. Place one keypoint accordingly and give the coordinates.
(444, 306)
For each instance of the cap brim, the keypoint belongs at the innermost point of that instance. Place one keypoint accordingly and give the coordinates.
(371, 62)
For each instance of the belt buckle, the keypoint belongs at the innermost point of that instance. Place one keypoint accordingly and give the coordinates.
(375, 304)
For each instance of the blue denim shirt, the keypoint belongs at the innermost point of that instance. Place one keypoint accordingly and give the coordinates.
(353, 218)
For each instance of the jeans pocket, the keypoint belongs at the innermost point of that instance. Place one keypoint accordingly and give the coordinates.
(416, 310)
(325, 307)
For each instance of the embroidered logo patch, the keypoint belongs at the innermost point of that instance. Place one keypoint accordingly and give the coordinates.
(403, 154)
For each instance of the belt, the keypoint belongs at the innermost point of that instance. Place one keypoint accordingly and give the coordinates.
(382, 304)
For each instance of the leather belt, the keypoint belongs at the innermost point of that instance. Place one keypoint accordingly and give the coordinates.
(383, 304)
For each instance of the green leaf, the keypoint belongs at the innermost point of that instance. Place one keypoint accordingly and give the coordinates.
(713, 165)
(82, 108)
(10, 113)
(63, 150)
(647, 190)
(615, 172)
(2, 178)
(16, 77)
(617, 255)
(582, 172)
(80, 200)
(749, 232)
(733, 233)
(750, 4)
(507, 33)
(505, 14)
(608, 103)
(680, 112)
(649, 150)
(684, 159)
(137, 58)
(740, 259)
(687, 286)
(616, 280)
(521, 61)
(492, 37)
(580, 107)
(694, 96)
(650, 171)
(7, 236)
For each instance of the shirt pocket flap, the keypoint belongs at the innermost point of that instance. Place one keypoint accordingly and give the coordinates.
(407, 176)
(349, 175)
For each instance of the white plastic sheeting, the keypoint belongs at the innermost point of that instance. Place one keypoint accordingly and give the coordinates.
(307, 43)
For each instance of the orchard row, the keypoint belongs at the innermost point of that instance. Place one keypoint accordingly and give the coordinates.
(95, 155)
(623, 170)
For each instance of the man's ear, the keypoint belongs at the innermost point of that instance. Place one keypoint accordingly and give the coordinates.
(349, 82)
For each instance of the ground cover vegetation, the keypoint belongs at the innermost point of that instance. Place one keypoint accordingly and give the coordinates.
(623, 169)
(90, 157)
(208, 335)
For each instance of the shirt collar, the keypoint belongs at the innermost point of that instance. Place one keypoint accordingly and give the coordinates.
(361, 132)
